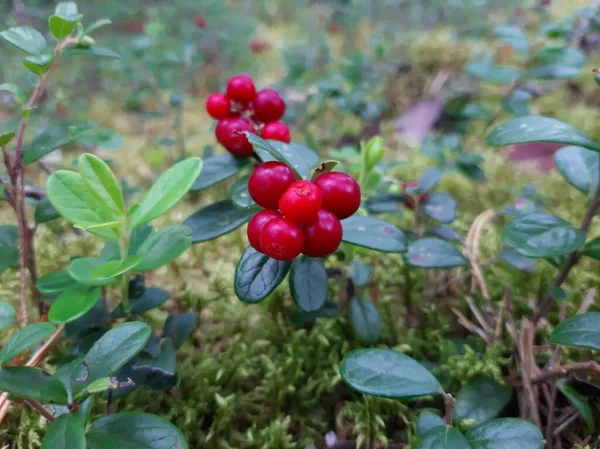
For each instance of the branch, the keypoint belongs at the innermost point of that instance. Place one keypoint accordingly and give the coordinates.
(449, 406)
(40, 409)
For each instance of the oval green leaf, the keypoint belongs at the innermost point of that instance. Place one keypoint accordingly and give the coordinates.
(55, 282)
(257, 275)
(428, 421)
(505, 433)
(360, 273)
(102, 182)
(114, 268)
(32, 383)
(179, 327)
(374, 234)
(25, 339)
(443, 437)
(28, 39)
(428, 180)
(365, 320)
(67, 432)
(308, 283)
(440, 207)
(217, 169)
(579, 401)
(45, 211)
(81, 270)
(434, 253)
(7, 315)
(217, 219)
(163, 246)
(480, 400)
(581, 330)
(238, 193)
(579, 166)
(73, 303)
(386, 373)
(283, 152)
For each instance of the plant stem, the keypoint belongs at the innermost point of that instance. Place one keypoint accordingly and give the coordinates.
(449, 406)
(125, 277)
(40, 409)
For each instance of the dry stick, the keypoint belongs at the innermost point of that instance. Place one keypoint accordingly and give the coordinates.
(40, 408)
(527, 364)
(587, 301)
(458, 277)
(473, 253)
(500, 319)
(554, 361)
(449, 406)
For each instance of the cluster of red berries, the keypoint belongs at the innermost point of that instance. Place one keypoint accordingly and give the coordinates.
(299, 216)
(242, 108)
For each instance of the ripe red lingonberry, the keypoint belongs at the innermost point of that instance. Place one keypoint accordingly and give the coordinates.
(281, 239)
(217, 106)
(341, 193)
(257, 223)
(268, 106)
(301, 202)
(276, 131)
(200, 22)
(258, 45)
(268, 182)
(324, 236)
(241, 88)
(230, 137)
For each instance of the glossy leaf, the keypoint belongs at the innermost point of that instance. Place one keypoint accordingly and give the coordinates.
(257, 275)
(28, 39)
(134, 430)
(54, 137)
(150, 299)
(308, 283)
(382, 203)
(443, 437)
(102, 182)
(428, 421)
(39, 64)
(7, 315)
(217, 169)
(372, 233)
(163, 246)
(505, 433)
(579, 401)
(581, 330)
(67, 432)
(282, 152)
(179, 327)
(542, 235)
(82, 271)
(579, 166)
(32, 383)
(387, 373)
(513, 258)
(167, 191)
(45, 211)
(365, 320)
(360, 273)
(428, 180)
(480, 400)
(55, 282)
(592, 248)
(440, 207)
(24, 339)
(73, 303)
(217, 219)
(538, 129)
(238, 193)
(114, 268)
(92, 50)
(434, 253)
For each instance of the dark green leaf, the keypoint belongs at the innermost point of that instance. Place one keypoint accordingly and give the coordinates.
(329, 310)
(579, 167)
(360, 273)
(134, 430)
(67, 432)
(217, 219)
(428, 421)
(513, 258)
(163, 246)
(73, 303)
(45, 211)
(374, 234)
(579, 401)
(443, 438)
(55, 282)
(284, 153)
(239, 195)
(440, 207)
(217, 169)
(445, 233)
(308, 283)
(25, 339)
(517, 103)
(32, 383)
(257, 275)
(365, 320)
(92, 51)
(434, 253)
(485, 70)
(428, 180)
(385, 203)
(542, 235)
(387, 373)
(592, 248)
(513, 36)
(581, 330)
(505, 433)
(9, 252)
(54, 137)
(27, 39)
(538, 129)
(150, 299)
(557, 293)
(7, 315)
(480, 400)
(179, 327)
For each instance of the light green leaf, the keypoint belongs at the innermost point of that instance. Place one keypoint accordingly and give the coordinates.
(25, 339)
(96, 25)
(16, 91)
(27, 39)
(164, 246)
(81, 270)
(73, 303)
(114, 268)
(102, 182)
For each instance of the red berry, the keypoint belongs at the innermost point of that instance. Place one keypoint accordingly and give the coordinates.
(301, 202)
(200, 22)
(237, 144)
(241, 88)
(341, 193)
(217, 106)
(221, 129)
(258, 45)
(281, 239)
(324, 236)
(269, 106)
(268, 183)
(276, 131)
(257, 223)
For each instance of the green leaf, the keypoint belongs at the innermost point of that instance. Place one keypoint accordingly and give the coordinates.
(73, 303)
(39, 64)
(102, 182)
(556, 63)
(167, 191)
(7, 315)
(308, 283)
(150, 299)
(96, 25)
(81, 270)
(64, 22)
(386, 373)
(505, 433)
(217, 169)
(92, 51)
(32, 383)
(513, 258)
(9, 251)
(25, 339)
(480, 400)
(485, 70)
(99, 386)
(581, 330)
(67, 432)
(434, 253)
(134, 430)
(28, 39)
(372, 233)
(579, 401)
(542, 235)
(360, 273)
(323, 167)
(66, 9)
(179, 327)
(428, 180)
(257, 275)
(18, 95)
(6, 137)
(54, 137)
(592, 248)
(385, 203)
(513, 36)
(105, 138)
(45, 211)
(114, 349)
(282, 152)
(114, 268)
(238, 193)
(442, 437)
(440, 207)
(428, 421)
(163, 246)
(538, 129)
(217, 219)
(365, 320)
(579, 167)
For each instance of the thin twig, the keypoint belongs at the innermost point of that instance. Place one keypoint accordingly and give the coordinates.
(449, 406)
(40, 409)
(587, 301)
